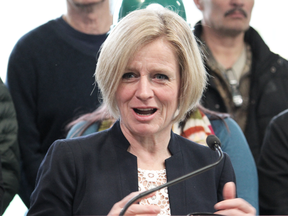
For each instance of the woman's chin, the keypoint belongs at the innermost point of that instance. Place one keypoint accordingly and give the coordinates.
(145, 130)
(148, 128)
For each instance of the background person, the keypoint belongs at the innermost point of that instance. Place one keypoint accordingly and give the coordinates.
(155, 65)
(247, 80)
(1, 189)
(9, 149)
(273, 168)
(50, 77)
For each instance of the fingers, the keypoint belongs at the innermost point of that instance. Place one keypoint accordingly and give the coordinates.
(231, 205)
(237, 205)
(229, 191)
(234, 212)
(128, 197)
(137, 209)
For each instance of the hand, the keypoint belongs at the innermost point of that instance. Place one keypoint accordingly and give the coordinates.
(135, 209)
(231, 205)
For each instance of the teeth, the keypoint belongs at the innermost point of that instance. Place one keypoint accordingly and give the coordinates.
(145, 111)
(143, 114)
(148, 109)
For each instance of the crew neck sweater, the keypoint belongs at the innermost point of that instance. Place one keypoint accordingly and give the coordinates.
(51, 79)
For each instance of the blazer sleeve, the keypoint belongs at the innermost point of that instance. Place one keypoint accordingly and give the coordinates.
(59, 163)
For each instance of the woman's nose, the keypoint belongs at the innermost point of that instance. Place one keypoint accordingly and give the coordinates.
(144, 89)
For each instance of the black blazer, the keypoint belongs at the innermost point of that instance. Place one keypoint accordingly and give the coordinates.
(88, 175)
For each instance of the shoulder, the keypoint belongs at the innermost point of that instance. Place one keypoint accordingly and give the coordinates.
(81, 145)
(225, 127)
(4, 94)
(220, 121)
(232, 138)
(178, 142)
(40, 30)
(86, 139)
(277, 133)
(190, 149)
(196, 155)
(280, 119)
(41, 34)
(7, 109)
(102, 144)
(275, 140)
(278, 67)
(262, 54)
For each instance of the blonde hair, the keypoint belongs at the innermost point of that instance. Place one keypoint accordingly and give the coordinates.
(136, 30)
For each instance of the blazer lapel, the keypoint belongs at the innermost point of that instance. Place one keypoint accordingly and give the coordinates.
(128, 173)
(126, 162)
(174, 169)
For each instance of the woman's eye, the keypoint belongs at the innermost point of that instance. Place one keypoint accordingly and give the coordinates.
(128, 76)
(161, 77)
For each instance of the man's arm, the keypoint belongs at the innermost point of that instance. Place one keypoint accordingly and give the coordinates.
(22, 83)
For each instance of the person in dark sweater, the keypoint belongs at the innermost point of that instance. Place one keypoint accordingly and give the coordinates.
(247, 80)
(50, 77)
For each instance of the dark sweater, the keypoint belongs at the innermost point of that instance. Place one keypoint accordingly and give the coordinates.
(50, 77)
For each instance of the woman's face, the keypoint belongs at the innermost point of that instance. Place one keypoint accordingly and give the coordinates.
(147, 95)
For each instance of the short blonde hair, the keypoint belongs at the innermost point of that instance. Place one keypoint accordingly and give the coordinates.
(136, 30)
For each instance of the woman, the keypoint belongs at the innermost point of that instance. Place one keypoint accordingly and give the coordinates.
(196, 126)
(145, 72)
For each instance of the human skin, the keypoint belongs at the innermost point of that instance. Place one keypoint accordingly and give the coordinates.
(147, 96)
(227, 16)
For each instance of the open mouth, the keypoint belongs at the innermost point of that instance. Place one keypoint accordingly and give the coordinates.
(148, 111)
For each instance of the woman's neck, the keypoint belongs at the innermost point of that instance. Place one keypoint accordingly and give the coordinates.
(151, 151)
(151, 159)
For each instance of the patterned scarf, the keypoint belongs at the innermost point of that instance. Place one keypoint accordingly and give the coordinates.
(196, 128)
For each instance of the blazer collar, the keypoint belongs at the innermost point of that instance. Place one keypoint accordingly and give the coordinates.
(174, 169)
(128, 169)
(121, 141)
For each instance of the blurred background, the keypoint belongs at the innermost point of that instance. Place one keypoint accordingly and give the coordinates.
(17, 17)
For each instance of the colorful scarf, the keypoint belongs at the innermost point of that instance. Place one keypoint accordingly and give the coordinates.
(196, 128)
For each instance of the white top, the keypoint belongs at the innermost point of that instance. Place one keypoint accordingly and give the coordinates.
(148, 179)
